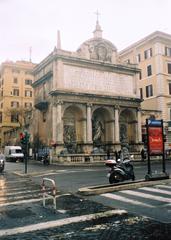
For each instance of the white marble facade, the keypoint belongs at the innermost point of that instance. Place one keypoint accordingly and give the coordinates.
(87, 98)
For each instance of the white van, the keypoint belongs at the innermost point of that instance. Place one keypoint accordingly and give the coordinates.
(13, 153)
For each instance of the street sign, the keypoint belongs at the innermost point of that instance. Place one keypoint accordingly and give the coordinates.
(154, 122)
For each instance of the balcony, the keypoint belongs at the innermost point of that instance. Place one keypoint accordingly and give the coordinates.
(41, 103)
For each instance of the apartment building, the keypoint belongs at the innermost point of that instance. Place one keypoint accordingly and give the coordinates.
(15, 93)
(153, 56)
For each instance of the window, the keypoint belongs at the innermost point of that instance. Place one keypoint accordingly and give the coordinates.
(15, 71)
(141, 93)
(168, 51)
(15, 80)
(0, 117)
(148, 53)
(28, 104)
(28, 93)
(15, 104)
(28, 82)
(140, 75)
(16, 92)
(170, 88)
(149, 70)
(149, 91)
(44, 116)
(169, 68)
(138, 57)
(14, 118)
(169, 116)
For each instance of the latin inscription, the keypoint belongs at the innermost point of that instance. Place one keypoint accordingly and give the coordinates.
(97, 81)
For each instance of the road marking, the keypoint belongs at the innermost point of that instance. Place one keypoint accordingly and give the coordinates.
(39, 174)
(20, 197)
(27, 200)
(2, 195)
(146, 195)
(125, 199)
(157, 190)
(164, 186)
(58, 223)
(20, 202)
(13, 181)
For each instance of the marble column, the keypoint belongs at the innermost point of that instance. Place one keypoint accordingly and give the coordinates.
(59, 123)
(139, 129)
(89, 124)
(117, 124)
(54, 113)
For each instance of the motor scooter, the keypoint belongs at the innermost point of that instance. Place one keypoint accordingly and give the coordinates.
(45, 159)
(2, 163)
(120, 170)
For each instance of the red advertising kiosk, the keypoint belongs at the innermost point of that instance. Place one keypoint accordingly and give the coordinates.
(155, 147)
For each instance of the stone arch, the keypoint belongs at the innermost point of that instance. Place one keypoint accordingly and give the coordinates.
(127, 123)
(102, 123)
(73, 124)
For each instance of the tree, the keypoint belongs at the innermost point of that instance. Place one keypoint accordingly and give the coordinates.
(20, 115)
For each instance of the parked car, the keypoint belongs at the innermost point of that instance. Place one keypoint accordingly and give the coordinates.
(13, 153)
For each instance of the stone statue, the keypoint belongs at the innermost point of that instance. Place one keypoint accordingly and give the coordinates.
(98, 131)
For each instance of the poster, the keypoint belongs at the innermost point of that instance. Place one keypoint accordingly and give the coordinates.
(155, 136)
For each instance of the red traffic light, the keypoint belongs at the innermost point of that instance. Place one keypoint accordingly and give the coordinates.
(21, 136)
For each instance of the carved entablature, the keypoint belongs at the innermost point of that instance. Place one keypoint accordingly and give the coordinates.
(98, 49)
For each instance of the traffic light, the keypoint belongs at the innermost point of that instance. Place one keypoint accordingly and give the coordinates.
(27, 136)
(24, 137)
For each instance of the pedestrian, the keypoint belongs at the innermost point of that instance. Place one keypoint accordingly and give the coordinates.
(143, 155)
(116, 155)
(108, 154)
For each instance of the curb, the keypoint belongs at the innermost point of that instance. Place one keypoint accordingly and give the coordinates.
(33, 173)
(94, 190)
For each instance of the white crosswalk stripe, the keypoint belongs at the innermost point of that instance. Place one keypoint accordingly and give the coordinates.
(125, 199)
(146, 195)
(154, 202)
(157, 190)
(18, 192)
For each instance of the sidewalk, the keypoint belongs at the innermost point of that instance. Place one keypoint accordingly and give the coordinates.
(77, 218)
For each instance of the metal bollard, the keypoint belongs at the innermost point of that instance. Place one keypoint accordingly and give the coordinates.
(46, 194)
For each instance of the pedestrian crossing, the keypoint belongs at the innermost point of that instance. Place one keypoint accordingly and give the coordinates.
(153, 202)
(18, 191)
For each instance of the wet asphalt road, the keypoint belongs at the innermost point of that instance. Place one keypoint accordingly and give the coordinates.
(76, 217)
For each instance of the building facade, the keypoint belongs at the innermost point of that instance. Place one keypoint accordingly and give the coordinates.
(16, 95)
(87, 101)
(153, 56)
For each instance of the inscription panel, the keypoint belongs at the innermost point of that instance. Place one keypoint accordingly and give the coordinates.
(90, 80)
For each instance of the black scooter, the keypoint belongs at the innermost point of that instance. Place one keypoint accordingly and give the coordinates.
(45, 159)
(120, 170)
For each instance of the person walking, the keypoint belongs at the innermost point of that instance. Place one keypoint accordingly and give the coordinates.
(143, 155)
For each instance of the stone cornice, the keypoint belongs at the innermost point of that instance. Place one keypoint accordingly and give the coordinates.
(155, 36)
(72, 59)
(67, 96)
(42, 79)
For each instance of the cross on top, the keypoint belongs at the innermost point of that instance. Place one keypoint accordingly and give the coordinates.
(98, 14)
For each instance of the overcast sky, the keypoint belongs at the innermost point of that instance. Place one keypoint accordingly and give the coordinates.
(34, 23)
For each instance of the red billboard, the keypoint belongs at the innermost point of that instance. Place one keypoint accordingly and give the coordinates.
(155, 140)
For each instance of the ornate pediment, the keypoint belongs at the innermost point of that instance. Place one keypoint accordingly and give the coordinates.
(97, 49)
